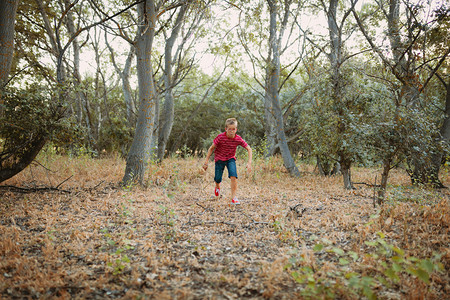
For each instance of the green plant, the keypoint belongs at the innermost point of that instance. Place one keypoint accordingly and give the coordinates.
(119, 264)
(385, 265)
(394, 262)
(168, 220)
(50, 234)
(118, 260)
(284, 233)
(415, 194)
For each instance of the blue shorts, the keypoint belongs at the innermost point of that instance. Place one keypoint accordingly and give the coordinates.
(220, 166)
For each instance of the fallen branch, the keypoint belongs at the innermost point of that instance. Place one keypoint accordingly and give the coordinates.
(205, 208)
(32, 190)
(37, 189)
(253, 221)
(64, 181)
(45, 168)
(368, 184)
(208, 224)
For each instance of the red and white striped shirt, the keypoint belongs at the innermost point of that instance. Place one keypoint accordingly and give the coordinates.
(226, 147)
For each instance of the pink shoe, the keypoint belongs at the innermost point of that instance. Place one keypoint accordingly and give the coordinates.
(217, 192)
(235, 201)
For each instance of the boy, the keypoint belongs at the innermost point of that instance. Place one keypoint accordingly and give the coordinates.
(225, 145)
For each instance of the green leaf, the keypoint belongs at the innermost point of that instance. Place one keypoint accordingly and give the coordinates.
(296, 276)
(381, 235)
(373, 244)
(390, 273)
(397, 259)
(338, 251)
(383, 281)
(399, 251)
(396, 267)
(427, 265)
(350, 275)
(382, 242)
(343, 261)
(318, 248)
(423, 275)
(353, 255)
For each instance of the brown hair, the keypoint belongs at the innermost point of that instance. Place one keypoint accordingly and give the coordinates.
(231, 121)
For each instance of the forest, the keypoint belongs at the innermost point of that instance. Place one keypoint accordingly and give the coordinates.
(107, 111)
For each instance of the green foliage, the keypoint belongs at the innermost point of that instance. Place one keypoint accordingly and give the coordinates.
(327, 273)
(116, 135)
(33, 112)
(118, 259)
(30, 118)
(413, 194)
(335, 125)
(168, 219)
(116, 243)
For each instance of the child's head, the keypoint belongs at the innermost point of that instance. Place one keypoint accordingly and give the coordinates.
(231, 127)
(230, 121)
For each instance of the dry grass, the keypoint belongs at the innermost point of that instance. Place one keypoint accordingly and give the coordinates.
(174, 240)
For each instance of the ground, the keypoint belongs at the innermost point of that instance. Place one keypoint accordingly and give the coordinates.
(71, 231)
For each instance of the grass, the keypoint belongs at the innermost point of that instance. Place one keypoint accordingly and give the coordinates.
(173, 239)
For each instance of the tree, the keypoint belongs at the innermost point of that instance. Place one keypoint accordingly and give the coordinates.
(406, 27)
(8, 9)
(31, 119)
(139, 153)
(273, 73)
(18, 148)
(339, 102)
(337, 58)
(176, 67)
(440, 41)
(124, 75)
(265, 47)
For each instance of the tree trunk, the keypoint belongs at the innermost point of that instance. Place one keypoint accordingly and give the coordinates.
(345, 164)
(325, 166)
(126, 88)
(436, 160)
(8, 9)
(140, 150)
(21, 159)
(274, 77)
(167, 114)
(81, 98)
(336, 60)
(269, 121)
(384, 180)
(125, 78)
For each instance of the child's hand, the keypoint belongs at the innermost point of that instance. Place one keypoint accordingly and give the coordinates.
(249, 168)
(205, 166)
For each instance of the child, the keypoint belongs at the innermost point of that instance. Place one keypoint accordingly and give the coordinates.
(225, 145)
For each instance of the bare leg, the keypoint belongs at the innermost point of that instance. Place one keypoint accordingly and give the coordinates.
(233, 186)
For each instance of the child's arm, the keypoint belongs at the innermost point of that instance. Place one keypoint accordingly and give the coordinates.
(210, 152)
(249, 164)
